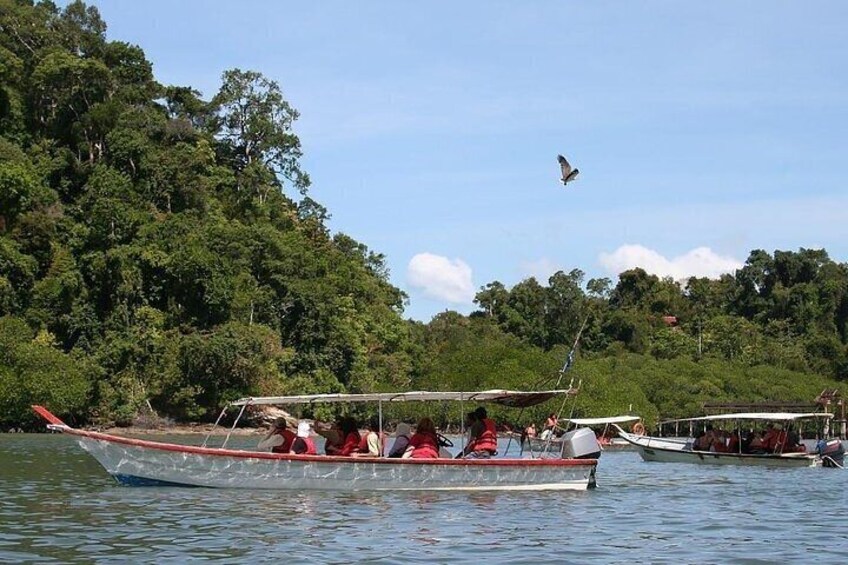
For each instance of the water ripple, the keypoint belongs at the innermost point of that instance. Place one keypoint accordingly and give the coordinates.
(59, 506)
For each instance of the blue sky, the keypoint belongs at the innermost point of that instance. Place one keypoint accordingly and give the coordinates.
(431, 130)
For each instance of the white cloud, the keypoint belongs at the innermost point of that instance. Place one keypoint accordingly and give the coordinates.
(699, 262)
(441, 278)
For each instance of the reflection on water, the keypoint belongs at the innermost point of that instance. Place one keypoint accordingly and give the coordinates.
(58, 504)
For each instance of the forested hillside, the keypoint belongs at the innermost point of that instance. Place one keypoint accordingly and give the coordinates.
(158, 246)
(162, 249)
(788, 310)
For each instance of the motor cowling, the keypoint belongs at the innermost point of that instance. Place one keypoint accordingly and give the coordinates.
(832, 452)
(580, 444)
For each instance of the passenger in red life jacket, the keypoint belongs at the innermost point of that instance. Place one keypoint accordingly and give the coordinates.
(770, 439)
(279, 438)
(352, 439)
(484, 437)
(753, 443)
(333, 436)
(424, 444)
(793, 442)
(780, 441)
(370, 445)
(303, 444)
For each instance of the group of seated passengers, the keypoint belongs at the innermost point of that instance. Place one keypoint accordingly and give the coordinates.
(772, 440)
(551, 428)
(424, 443)
(604, 437)
(280, 439)
(717, 441)
(344, 439)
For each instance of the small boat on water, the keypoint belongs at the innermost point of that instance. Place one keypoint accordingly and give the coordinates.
(607, 428)
(139, 462)
(604, 433)
(734, 452)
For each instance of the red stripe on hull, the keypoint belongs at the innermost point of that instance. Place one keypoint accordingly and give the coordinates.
(327, 458)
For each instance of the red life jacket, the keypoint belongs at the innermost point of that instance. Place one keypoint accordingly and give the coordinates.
(310, 446)
(488, 440)
(733, 444)
(770, 440)
(288, 439)
(363, 444)
(425, 446)
(351, 444)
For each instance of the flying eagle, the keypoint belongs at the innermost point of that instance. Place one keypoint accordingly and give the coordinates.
(568, 173)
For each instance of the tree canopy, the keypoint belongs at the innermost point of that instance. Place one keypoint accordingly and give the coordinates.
(157, 237)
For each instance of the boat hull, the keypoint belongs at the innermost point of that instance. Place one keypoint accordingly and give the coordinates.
(708, 458)
(674, 451)
(141, 462)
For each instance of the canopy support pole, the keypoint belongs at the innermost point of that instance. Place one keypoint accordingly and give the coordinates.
(226, 439)
(221, 415)
(509, 443)
(380, 425)
(461, 416)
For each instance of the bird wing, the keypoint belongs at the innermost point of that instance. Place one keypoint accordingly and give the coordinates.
(564, 166)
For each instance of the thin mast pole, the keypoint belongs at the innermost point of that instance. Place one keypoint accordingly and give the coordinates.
(380, 425)
(570, 359)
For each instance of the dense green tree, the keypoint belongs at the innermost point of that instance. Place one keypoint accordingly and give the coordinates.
(21, 191)
(669, 343)
(33, 370)
(492, 298)
(17, 277)
(525, 312)
(565, 307)
(256, 124)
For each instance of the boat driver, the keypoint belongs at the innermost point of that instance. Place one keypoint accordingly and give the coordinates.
(279, 438)
(483, 442)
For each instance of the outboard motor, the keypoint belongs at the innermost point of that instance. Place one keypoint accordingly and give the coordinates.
(831, 452)
(580, 444)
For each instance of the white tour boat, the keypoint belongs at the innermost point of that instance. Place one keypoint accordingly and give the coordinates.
(684, 450)
(602, 425)
(134, 461)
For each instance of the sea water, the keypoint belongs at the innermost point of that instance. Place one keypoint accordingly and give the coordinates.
(58, 505)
